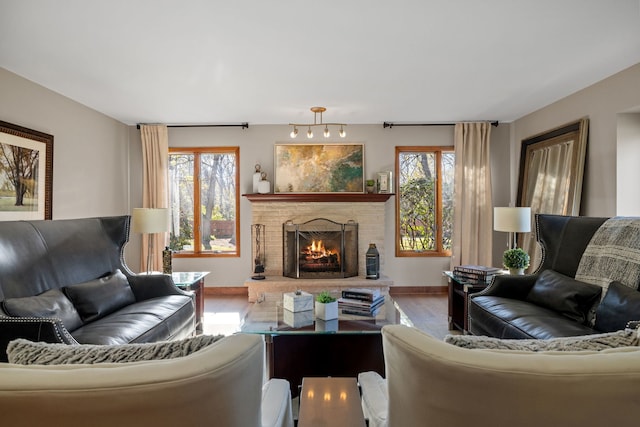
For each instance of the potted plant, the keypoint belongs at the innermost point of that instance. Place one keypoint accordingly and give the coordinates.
(326, 306)
(516, 260)
(371, 185)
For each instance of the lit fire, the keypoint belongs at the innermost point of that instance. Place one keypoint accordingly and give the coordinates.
(317, 250)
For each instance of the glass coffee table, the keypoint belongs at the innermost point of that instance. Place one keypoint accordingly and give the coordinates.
(300, 346)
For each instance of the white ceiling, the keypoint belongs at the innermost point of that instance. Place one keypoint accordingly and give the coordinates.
(268, 61)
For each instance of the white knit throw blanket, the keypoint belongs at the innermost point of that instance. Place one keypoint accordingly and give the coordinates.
(613, 254)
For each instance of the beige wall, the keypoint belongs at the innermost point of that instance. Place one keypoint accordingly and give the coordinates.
(90, 150)
(601, 103)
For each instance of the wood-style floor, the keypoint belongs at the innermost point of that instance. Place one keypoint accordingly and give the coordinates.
(427, 312)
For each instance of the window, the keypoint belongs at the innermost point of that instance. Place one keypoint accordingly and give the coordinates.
(424, 201)
(204, 201)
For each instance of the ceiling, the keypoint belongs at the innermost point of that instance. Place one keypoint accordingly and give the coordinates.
(269, 61)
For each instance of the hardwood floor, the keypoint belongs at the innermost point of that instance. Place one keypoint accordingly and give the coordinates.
(427, 312)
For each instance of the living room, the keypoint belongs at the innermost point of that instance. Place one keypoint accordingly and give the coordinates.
(97, 154)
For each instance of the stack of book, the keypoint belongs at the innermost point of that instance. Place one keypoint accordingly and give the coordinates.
(361, 301)
(476, 274)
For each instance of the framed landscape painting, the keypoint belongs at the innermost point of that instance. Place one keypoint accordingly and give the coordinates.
(26, 173)
(319, 168)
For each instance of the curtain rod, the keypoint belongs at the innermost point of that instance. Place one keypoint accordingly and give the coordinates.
(244, 125)
(391, 124)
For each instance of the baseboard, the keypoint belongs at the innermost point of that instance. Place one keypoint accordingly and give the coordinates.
(405, 290)
(226, 291)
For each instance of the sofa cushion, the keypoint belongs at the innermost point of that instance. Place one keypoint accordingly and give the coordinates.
(564, 295)
(156, 319)
(620, 305)
(596, 342)
(513, 318)
(97, 298)
(25, 352)
(52, 303)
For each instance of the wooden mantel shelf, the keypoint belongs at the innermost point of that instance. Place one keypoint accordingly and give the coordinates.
(318, 197)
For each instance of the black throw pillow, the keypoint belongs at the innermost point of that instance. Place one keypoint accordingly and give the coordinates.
(564, 295)
(620, 305)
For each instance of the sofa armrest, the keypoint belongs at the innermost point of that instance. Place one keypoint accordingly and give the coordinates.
(509, 286)
(45, 329)
(375, 398)
(276, 404)
(153, 285)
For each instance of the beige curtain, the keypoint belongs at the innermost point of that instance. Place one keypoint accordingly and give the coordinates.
(155, 157)
(550, 170)
(473, 210)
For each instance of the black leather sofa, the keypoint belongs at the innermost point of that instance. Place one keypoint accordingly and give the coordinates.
(539, 305)
(66, 281)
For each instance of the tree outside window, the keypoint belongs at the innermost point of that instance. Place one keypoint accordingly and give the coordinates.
(424, 201)
(204, 198)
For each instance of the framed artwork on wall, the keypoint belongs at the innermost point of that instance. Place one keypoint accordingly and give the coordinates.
(26, 173)
(319, 168)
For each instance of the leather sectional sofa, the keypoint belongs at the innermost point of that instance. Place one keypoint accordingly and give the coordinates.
(550, 303)
(66, 281)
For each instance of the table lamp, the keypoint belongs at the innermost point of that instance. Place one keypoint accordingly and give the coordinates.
(150, 221)
(512, 220)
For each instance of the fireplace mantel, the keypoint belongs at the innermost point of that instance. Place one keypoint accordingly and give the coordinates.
(318, 197)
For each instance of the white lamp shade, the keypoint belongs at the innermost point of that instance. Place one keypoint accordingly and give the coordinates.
(512, 220)
(150, 220)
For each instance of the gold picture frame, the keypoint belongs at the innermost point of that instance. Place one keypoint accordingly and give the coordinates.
(26, 173)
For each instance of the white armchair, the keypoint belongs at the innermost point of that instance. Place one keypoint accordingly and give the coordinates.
(432, 383)
(221, 384)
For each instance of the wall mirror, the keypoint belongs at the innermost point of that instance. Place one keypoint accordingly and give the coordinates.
(550, 179)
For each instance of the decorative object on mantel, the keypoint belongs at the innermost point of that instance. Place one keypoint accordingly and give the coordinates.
(257, 177)
(372, 258)
(258, 240)
(371, 186)
(385, 182)
(326, 133)
(264, 186)
(326, 306)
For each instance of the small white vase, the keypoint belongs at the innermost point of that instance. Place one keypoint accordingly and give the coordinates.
(516, 271)
(327, 311)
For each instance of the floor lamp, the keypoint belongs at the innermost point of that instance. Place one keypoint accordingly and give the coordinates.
(150, 221)
(512, 221)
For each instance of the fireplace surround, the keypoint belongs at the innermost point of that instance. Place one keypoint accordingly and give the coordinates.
(320, 249)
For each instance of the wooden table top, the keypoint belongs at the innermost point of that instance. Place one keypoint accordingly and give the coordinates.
(330, 402)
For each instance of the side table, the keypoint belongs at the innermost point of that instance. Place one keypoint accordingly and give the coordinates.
(459, 291)
(192, 281)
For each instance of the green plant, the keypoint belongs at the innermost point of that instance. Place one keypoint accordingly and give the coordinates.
(370, 182)
(515, 258)
(325, 297)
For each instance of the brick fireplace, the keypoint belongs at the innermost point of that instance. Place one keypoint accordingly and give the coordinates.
(368, 211)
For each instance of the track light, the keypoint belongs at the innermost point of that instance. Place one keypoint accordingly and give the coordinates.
(327, 133)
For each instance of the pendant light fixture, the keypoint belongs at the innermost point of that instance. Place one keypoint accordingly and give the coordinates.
(326, 133)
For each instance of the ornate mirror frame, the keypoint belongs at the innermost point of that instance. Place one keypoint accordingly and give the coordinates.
(551, 175)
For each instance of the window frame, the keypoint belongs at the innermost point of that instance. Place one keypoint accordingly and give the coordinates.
(197, 152)
(438, 150)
